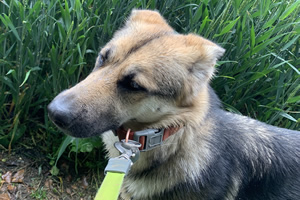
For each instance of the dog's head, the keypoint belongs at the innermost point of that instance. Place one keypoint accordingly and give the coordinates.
(146, 76)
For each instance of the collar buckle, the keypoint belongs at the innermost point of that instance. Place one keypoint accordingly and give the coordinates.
(153, 138)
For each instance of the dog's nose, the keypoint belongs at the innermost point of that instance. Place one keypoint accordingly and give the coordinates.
(60, 114)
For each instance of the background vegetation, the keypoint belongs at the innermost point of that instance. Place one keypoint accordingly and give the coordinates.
(47, 46)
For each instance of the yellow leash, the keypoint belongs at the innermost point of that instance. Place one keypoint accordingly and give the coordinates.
(110, 186)
(117, 168)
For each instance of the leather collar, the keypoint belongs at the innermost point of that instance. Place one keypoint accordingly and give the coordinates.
(149, 138)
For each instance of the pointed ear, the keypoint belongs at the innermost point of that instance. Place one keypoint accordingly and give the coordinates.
(208, 51)
(148, 17)
(205, 55)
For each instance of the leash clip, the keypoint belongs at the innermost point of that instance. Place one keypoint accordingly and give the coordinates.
(120, 164)
(154, 138)
(129, 149)
(129, 154)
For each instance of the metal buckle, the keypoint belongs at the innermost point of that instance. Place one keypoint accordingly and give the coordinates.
(154, 138)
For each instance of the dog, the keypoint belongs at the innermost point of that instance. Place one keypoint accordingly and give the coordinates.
(150, 77)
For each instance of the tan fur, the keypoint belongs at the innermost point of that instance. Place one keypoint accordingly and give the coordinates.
(149, 76)
(174, 51)
(196, 54)
(170, 53)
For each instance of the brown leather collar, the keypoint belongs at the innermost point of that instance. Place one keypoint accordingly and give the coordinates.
(167, 132)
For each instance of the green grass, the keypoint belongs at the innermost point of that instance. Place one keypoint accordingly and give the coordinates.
(47, 46)
(39, 194)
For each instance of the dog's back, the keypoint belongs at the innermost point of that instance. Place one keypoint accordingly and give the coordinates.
(260, 161)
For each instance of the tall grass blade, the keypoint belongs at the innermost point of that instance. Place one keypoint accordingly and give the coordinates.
(227, 28)
(289, 10)
(6, 20)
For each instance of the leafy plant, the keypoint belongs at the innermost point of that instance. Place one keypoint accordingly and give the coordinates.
(47, 46)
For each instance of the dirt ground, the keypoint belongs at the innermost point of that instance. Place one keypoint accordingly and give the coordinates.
(25, 174)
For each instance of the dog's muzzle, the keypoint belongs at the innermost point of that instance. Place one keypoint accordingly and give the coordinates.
(75, 118)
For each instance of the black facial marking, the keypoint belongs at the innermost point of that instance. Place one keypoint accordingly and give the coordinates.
(142, 43)
(191, 70)
(106, 54)
(102, 58)
(100, 61)
(128, 83)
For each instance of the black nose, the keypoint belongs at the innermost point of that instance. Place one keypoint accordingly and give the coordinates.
(60, 115)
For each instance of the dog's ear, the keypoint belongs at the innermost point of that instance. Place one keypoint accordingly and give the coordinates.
(204, 54)
(148, 17)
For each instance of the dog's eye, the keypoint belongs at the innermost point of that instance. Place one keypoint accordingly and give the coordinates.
(135, 86)
(129, 84)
